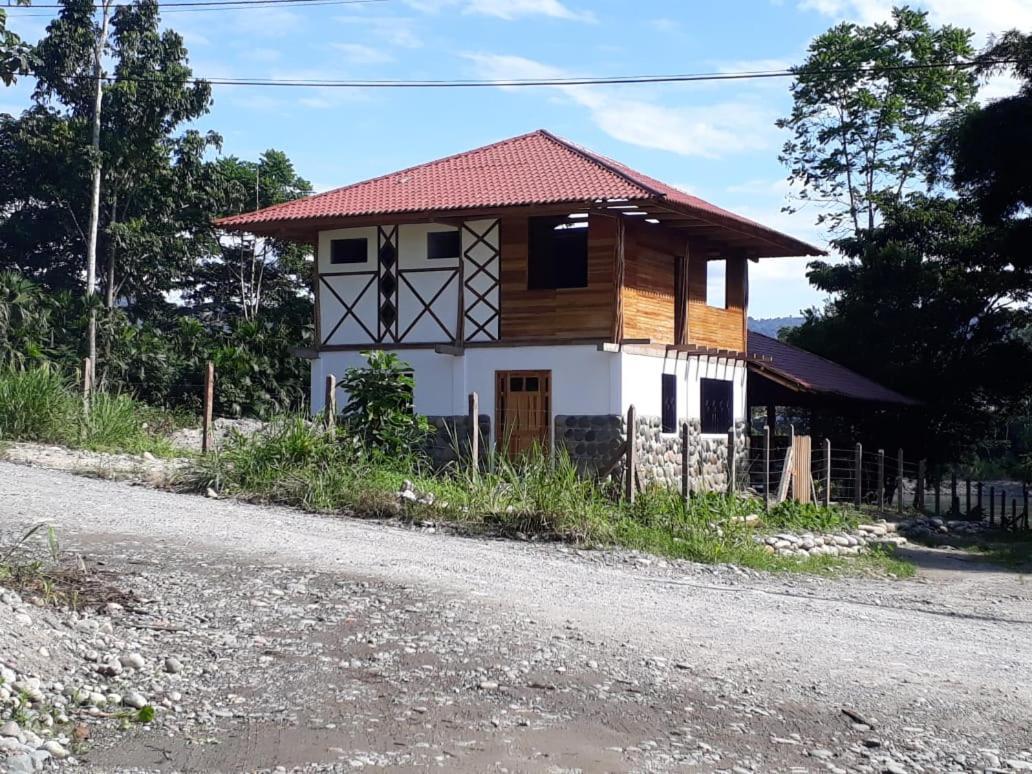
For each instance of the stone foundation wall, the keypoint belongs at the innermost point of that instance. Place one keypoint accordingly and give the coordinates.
(449, 437)
(591, 442)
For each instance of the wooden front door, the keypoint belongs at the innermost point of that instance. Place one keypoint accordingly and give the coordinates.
(523, 410)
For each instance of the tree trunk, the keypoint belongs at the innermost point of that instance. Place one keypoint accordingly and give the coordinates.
(91, 234)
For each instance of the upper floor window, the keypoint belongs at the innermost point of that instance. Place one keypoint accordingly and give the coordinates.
(443, 244)
(717, 411)
(716, 284)
(349, 250)
(558, 253)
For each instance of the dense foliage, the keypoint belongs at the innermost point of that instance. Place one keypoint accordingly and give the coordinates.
(932, 299)
(175, 290)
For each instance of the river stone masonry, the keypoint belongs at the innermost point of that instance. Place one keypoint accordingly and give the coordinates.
(592, 441)
(844, 543)
(449, 437)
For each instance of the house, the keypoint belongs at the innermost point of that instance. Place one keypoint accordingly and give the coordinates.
(560, 285)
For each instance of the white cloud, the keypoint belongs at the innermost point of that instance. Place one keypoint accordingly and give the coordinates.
(711, 130)
(985, 17)
(358, 53)
(506, 9)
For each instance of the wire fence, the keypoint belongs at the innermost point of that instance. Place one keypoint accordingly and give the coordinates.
(887, 481)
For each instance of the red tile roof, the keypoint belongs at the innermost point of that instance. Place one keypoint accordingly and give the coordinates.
(534, 168)
(814, 373)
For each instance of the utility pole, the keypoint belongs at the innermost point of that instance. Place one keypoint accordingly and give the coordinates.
(91, 238)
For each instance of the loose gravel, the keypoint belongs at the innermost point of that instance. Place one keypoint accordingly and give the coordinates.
(266, 638)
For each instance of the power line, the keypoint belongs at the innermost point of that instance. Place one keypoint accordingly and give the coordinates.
(196, 6)
(570, 81)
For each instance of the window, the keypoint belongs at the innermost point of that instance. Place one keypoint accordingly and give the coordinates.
(349, 250)
(442, 244)
(716, 395)
(558, 254)
(669, 403)
(716, 284)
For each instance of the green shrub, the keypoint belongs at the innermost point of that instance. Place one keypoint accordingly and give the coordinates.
(121, 424)
(37, 404)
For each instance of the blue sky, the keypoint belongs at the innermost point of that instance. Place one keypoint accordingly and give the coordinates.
(716, 140)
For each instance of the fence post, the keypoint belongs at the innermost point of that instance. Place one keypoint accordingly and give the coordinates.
(967, 497)
(938, 488)
(474, 432)
(87, 383)
(685, 485)
(1014, 513)
(827, 472)
(632, 454)
(1003, 508)
(209, 399)
(899, 481)
(1024, 502)
(856, 475)
(881, 479)
(766, 467)
(731, 472)
(919, 490)
(992, 505)
(954, 500)
(330, 407)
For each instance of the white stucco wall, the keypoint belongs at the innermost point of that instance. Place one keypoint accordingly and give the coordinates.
(584, 380)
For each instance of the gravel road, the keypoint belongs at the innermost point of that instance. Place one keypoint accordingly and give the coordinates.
(540, 657)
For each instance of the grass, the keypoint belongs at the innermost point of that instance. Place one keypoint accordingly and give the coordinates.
(293, 463)
(40, 405)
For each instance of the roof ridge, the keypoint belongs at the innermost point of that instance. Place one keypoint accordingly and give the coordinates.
(423, 165)
(610, 165)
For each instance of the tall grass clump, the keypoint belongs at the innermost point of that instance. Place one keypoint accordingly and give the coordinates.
(119, 423)
(37, 404)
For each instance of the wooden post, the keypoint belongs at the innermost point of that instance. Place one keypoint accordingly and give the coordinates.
(856, 475)
(938, 487)
(954, 500)
(209, 399)
(731, 483)
(899, 480)
(1024, 501)
(87, 383)
(827, 472)
(919, 504)
(474, 432)
(632, 454)
(685, 484)
(1014, 513)
(978, 500)
(767, 431)
(992, 505)
(967, 496)
(1003, 507)
(330, 403)
(881, 479)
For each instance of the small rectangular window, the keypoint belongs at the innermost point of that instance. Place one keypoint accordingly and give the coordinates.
(717, 409)
(669, 403)
(349, 250)
(443, 244)
(557, 253)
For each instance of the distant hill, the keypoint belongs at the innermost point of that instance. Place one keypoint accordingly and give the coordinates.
(769, 326)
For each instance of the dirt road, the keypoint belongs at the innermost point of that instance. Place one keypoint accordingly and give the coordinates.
(329, 643)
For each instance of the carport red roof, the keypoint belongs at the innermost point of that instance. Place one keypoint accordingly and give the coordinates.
(534, 168)
(813, 373)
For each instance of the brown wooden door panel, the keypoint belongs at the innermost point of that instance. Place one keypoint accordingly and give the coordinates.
(522, 410)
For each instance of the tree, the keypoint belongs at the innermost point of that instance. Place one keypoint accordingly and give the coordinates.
(15, 55)
(931, 303)
(865, 105)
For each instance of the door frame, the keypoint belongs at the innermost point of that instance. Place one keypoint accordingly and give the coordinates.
(501, 383)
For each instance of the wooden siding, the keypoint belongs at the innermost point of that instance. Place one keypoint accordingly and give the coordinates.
(648, 295)
(568, 313)
(710, 326)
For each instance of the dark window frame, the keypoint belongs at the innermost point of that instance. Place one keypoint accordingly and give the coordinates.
(557, 258)
(338, 259)
(716, 405)
(436, 236)
(668, 403)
